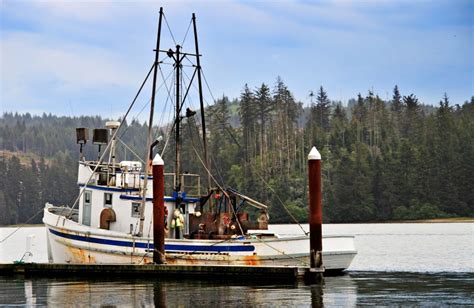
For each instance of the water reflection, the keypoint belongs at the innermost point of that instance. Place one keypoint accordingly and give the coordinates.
(413, 289)
(165, 293)
(159, 294)
(349, 290)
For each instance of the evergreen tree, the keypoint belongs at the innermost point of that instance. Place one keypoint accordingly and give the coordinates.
(381, 160)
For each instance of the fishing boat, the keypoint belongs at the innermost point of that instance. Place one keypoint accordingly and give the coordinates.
(111, 220)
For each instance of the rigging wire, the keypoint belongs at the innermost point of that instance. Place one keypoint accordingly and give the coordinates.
(211, 157)
(107, 147)
(21, 226)
(146, 104)
(220, 119)
(168, 99)
(220, 187)
(131, 150)
(283, 253)
(184, 65)
(258, 174)
(169, 29)
(143, 108)
(170, 113)
(281, 202)
(95, 168)
(186, 35)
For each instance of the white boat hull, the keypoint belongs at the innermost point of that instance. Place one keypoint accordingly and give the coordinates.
(70, 242)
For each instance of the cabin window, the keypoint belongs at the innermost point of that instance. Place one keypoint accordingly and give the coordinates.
(86, 208)
(107, 200)
(135, 209)
(87, 196)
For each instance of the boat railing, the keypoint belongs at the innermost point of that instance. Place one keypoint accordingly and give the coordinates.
(190, 183)
(132, 178)
(72, 214)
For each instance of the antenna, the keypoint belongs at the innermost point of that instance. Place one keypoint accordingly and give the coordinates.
(113, 126)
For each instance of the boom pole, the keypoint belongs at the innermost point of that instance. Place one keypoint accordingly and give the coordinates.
(178, 120)
(150, 127)
(201, 102)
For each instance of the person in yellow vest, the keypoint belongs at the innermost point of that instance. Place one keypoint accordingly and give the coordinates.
(177, 223)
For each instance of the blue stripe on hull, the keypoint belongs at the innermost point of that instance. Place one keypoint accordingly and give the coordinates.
(168, 247)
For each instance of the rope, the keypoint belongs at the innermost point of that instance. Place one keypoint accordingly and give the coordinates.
(21, 226)
(233, 239)
(281, 202)
(282, 252)
(216, 243)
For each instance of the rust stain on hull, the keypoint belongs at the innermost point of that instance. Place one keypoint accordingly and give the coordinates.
(80, 255)
(252, 260)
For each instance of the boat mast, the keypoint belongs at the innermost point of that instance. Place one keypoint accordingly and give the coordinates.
(201, 102)
(178, 120)
(150, 127)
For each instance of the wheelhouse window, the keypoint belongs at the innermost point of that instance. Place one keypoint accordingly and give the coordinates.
(135, 209)
(107, 200)
(86, 209)
(87, 196)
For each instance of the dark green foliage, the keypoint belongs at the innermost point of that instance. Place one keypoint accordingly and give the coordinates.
(26, 188)
(382, 160)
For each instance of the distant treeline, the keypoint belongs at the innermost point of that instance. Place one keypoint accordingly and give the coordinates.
(382, 160)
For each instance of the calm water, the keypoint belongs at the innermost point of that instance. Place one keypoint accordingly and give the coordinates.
(397, 264)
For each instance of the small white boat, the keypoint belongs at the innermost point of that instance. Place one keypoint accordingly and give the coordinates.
(113, 222)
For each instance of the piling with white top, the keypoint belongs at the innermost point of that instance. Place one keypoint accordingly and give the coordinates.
(315, 208)
(158, 210)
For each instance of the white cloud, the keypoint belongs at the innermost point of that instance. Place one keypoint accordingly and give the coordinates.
(71, 47)
(37, 69)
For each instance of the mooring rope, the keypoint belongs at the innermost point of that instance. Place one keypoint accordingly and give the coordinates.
(21, 226)
(282, 252)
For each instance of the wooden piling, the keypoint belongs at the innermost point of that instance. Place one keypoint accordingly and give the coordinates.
(315, 208)
(158, 210)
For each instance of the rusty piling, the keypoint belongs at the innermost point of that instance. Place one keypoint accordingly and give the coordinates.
(315, 208)
(158, 210)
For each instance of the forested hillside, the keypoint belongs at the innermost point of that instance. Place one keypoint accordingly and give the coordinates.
(382, 160)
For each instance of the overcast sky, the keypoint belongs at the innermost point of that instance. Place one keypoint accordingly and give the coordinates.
(89, 57)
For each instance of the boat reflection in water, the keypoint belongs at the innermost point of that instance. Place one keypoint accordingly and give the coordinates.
(356, 288)
(139, 293)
